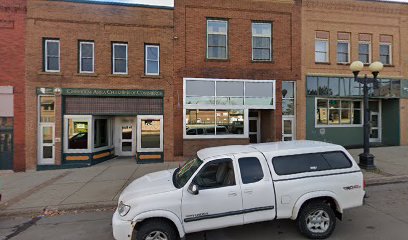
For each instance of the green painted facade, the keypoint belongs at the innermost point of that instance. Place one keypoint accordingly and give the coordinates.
(353, 136)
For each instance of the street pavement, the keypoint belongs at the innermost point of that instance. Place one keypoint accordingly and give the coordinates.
(99, 186)
(384, 216)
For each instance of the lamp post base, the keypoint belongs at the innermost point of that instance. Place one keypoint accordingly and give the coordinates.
(367, 161)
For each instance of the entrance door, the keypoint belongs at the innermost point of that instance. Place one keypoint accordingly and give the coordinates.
(254, 130)
(375, 121)
(47, 144)
(288, 128)
(6, 150)
(125, 136)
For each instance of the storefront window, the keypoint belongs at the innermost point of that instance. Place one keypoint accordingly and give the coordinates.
(200, 92)
(288, 98)
(47, 109)
(100, 133)
(150, 133)
(77, 134)
(335, 112)
(230, 93)
(259, 93)
(6, 122)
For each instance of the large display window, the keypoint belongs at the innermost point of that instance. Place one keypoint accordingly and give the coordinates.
(86, 134)
(150, 133)
(218, 108)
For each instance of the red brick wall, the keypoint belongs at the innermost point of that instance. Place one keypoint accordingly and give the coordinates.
(103, 24)
(12, 45)
(190, 56)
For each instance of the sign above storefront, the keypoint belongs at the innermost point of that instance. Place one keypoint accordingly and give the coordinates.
(111, 92)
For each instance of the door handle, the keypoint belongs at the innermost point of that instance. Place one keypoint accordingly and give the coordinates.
(248, 191)
(232, 194)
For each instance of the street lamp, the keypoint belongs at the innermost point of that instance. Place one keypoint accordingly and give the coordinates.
(366, 158)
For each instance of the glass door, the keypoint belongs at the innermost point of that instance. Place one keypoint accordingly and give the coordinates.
(375, 121)
(126, 140)
(288, 128)
(47, 144)
(254, 130)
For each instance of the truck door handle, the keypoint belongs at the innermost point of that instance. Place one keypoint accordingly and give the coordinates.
(232, 194)
(248, 191)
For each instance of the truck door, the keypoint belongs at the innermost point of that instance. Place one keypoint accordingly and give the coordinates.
(218, 202)
(257, 188)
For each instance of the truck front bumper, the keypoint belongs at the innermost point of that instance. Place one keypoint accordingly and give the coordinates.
(122, 229)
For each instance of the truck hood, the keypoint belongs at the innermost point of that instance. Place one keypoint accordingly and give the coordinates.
(153, 183)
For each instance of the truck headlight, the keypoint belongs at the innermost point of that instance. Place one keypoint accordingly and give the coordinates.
(123, 209)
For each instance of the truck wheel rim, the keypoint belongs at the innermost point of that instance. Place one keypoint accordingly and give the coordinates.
(156, 235)
(318, 221)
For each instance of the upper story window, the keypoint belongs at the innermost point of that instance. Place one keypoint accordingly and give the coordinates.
(52, 55)
(364, 48)
(152, 60)
(322, 47)
(386, 49)
(86, 57)
(217, 39)
(261, 41)
(120, 58)
(343, 48)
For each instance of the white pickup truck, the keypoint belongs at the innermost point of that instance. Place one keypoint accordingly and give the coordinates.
(310, 182)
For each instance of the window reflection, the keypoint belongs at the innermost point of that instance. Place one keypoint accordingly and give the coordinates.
(47, 109)
(77, 134)
(150, 137)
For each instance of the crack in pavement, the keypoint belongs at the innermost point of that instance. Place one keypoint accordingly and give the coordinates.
(23, 227)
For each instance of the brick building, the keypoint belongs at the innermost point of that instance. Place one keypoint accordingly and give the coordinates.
(372, 31)
(99, 83)
(236, 71)
(12, 80)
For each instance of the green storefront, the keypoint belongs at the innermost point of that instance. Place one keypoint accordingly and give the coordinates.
(334, 110)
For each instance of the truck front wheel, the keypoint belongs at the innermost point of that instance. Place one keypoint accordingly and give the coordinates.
(316, 220)
(156, 229)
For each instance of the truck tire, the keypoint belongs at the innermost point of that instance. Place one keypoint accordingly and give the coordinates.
(316, 220)
(156, 229)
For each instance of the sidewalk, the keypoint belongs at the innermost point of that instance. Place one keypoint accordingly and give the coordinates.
(99, 186)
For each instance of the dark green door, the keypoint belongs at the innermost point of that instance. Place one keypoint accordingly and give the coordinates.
(6, 149)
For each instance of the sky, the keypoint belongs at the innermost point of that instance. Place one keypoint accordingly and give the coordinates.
(170, 2)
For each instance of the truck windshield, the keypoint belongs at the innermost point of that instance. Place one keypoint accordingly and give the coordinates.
(184, 173)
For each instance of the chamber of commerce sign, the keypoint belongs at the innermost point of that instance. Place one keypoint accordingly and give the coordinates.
(111, 92)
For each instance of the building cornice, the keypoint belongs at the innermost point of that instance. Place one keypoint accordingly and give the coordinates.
(357, 6)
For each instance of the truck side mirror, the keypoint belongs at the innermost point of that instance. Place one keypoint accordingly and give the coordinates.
(193, 189)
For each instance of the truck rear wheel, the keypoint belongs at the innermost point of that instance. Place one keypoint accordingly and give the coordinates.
(316, 220)
(156, 229)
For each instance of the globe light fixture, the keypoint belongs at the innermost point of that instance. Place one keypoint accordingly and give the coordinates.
(357, 66)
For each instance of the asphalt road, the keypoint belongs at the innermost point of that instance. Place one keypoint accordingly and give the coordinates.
(385, 216)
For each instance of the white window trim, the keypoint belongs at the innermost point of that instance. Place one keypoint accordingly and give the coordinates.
(40, 125)
(113, 58)
(348, 51)
(80, 56)
(85, 118)
(224, 107)
(340, 125)
(46, 55)
(370, 53)
(390, 50)
(139, 133)
(226, 38)
(327, 48)
(158, 60)
(261, 35)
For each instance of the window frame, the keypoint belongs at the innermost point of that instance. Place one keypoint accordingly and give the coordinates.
(214, 161)
(263, 36)
(158, 59)
(327, 50)
(113, 58)
(340, 110)
(348, 51)
(216, 107)
(80, 56)
(46, 41)
(370, 53)
(390, 52)
(226, 38)
(311, 153)
(140, 118)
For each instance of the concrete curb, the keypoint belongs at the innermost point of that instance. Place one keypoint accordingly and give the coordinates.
(386, 180)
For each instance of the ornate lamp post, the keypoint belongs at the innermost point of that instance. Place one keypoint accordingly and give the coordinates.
(366, 158)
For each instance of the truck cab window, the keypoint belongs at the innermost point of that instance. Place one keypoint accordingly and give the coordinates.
(251, 170)
(216, 174)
